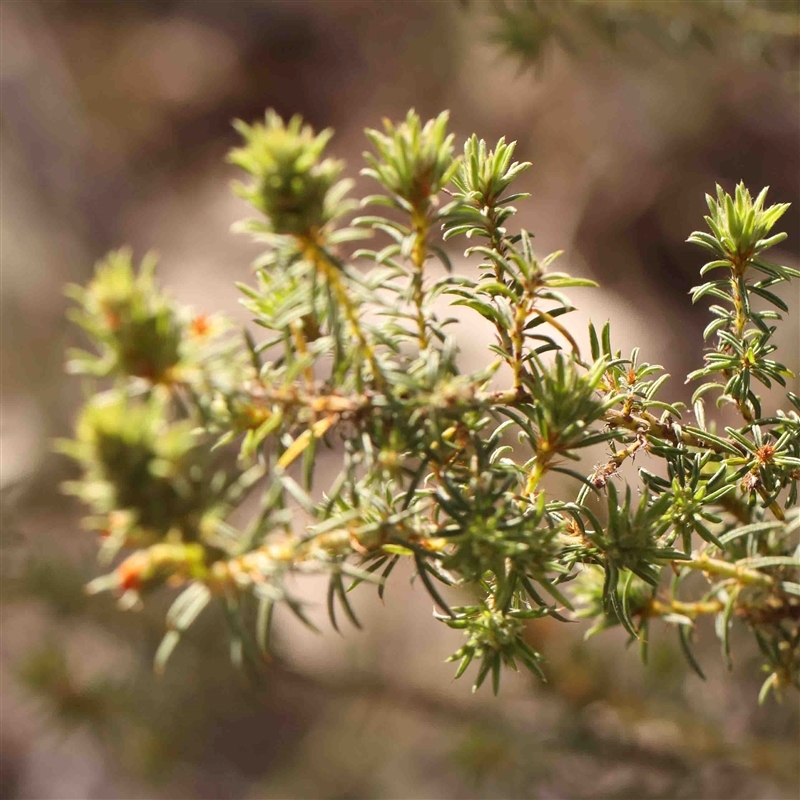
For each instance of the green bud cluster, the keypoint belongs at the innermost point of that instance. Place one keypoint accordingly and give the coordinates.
(141, 472)
(414, 162)
(137, 329)
(291, 183)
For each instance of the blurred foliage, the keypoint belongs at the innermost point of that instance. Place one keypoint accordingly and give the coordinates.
(530, 30)
(193, 727)
(46, 672)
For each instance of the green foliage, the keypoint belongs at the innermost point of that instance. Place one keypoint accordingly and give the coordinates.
(438, 468)
(46, 672)
(137, 462)
(291, 186)
(414, 161)
(136, 329)
(532, 30)
(738, 240)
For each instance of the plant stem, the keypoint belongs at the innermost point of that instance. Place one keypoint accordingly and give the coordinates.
(724, 569)
(421, 224)
(312, 250)
(537, 473)
(773, 506)
(498, 244)
(302, 350)
(692, 610)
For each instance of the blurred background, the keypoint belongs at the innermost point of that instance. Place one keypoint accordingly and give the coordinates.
(115, 123)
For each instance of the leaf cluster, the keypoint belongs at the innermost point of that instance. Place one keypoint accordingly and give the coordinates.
(426, 465)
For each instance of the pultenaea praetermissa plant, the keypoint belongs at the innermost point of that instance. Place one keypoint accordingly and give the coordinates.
(437, 467)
